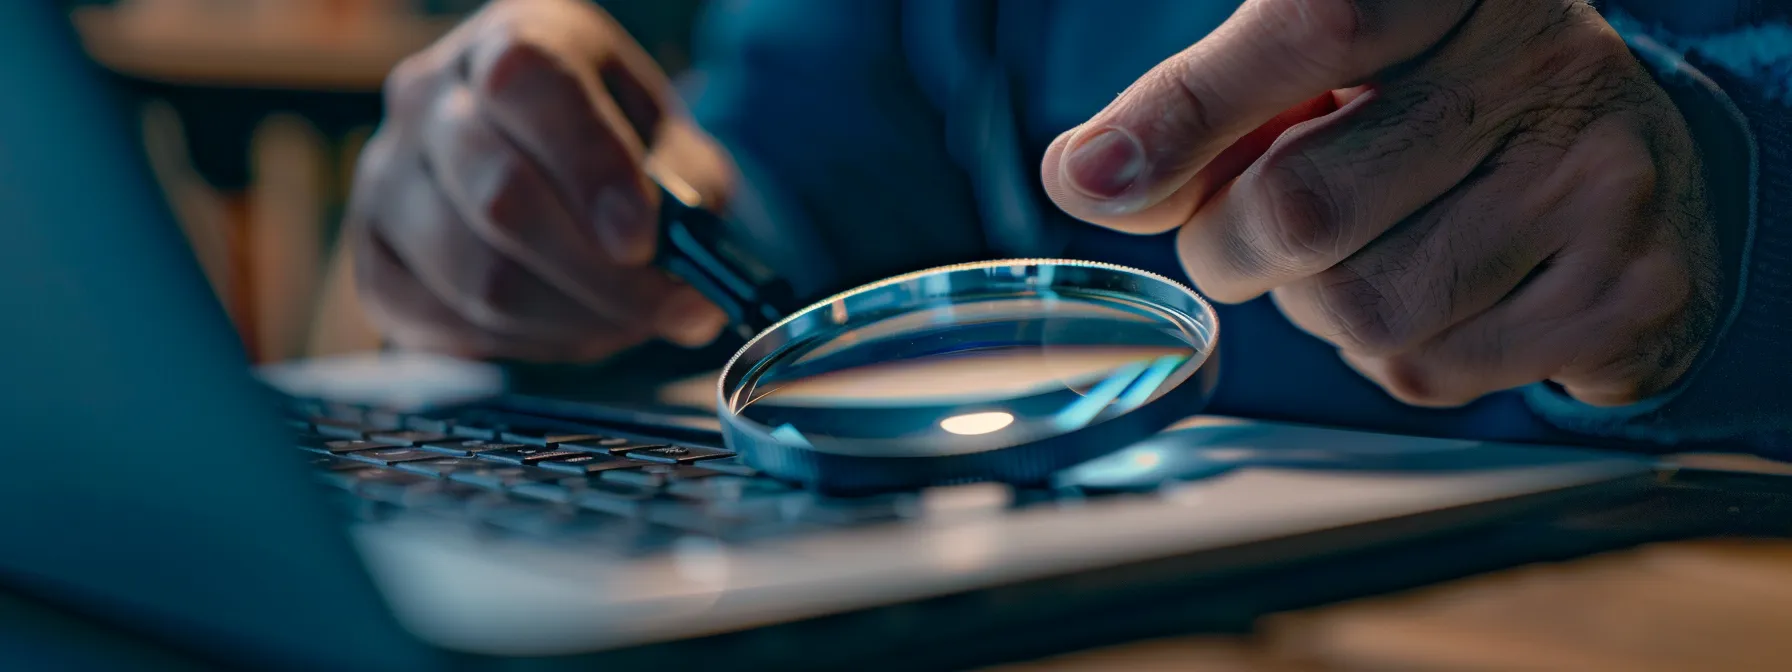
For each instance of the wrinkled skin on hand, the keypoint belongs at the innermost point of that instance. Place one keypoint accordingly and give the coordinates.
(1462, 196)
(504, 209)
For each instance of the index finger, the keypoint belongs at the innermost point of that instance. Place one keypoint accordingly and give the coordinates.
(1125, 166)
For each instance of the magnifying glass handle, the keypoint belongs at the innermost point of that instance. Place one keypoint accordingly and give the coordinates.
(695, 246)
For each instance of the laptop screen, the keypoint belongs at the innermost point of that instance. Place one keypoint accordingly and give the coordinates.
(114, 353)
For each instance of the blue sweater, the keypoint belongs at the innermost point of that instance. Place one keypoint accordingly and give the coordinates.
(877, 136)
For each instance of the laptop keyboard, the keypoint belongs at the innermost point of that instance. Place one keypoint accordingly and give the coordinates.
(544, 477)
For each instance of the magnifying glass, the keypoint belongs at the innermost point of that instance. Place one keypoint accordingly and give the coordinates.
(1008, 370)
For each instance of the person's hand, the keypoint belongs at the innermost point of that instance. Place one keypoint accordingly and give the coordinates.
(1462, 196)
(503, 210)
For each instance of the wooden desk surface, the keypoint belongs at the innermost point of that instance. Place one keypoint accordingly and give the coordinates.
(1707, 605)
(1690, 605)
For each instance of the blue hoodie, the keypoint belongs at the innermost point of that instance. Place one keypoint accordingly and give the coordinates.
(876, 136)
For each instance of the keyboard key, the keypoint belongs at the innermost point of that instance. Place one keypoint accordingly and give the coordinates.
(498, 477)
(474, 432)
(337, 472)
(441, 467)
(348, 429)
(333, 463)
(429, 423)
(467, 447)
(526, 454)
(377, 418)
(617, 498)
(353, 479)
(304, 408)
(393, 487)
(536, 436)
(730, 465)
(341, 447)
(342, 480)
(653, 475)
(581, 464)
(391, 455)
(311, 442)
(409, 437)
(676, 454)
(338, 429)
(603, 445)
(344, 412)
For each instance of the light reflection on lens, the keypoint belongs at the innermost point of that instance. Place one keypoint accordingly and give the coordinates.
(972, 374)
(972, 424)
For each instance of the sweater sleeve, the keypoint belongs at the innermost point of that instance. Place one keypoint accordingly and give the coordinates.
(844, 174)
(1733, 89)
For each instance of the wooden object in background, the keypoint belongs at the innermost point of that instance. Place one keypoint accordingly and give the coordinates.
(285, 233)
(199, 209)
(340, 325)
(262, 248)
(1719, 604)
(301, 45)
(1704, 605)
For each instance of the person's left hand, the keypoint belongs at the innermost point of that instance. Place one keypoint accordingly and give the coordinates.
(1462, 196)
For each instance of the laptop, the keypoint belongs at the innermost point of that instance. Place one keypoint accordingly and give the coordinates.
(404, 512)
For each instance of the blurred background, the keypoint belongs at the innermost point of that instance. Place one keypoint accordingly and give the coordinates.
(253, 113)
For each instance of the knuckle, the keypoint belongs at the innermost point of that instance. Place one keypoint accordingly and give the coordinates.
(366, 256)
(1301, 215)
(1567, 42)
(373, 167)
(535, 39)
(1325, 30)
(380, 278)
(1412, 381)
(489, 291)
(1603, 49)
(1662, 295)
(493, 184)
(500, 191)
(1429, 111)
(1622, 378)
(506, 55)
(1186, 115)
(1619, 167)
(408, 85)
(1363, 313)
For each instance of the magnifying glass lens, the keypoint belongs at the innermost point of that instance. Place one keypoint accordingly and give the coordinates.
(996, 371)
(975, 375)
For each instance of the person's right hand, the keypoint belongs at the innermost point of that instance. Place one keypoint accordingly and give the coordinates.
(503, 210)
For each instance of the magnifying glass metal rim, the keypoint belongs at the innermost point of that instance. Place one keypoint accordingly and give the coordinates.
(1030, 462)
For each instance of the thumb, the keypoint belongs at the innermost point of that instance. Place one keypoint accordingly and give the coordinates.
(1126, 167)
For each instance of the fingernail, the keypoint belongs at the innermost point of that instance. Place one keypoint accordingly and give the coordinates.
(623, 227)
(1106, 164)
(690, 320)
